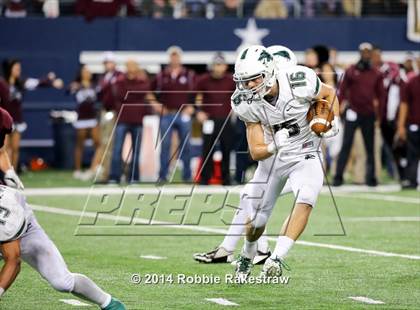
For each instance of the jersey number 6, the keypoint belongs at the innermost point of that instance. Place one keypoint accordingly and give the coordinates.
(297, 79)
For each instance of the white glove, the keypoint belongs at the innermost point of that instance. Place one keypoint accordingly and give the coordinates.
(335, 128)
(11, 179)
(280, 139)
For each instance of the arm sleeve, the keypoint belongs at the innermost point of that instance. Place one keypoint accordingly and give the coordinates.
(242, 110)
(199, 84)
(304, 82)
(110, 96)
(155, 83)
(380, 92)
(314, 83)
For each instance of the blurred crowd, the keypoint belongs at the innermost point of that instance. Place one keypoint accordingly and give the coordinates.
(379, 102)
(380, 109)
(209, 9)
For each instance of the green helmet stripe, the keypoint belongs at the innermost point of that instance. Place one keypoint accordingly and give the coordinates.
(244, 53)
(282, 54)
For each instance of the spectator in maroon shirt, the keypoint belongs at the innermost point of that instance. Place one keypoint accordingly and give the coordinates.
(105, 81)
(17, 86)
(214, 90)
(409, 128)
(362, 88)
(174, 86)
(10, 178)
(91, 9)
(131, 91)
(107, 115)
(393, 84)
(84, 91)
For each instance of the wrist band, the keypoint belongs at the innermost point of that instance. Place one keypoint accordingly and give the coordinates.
(271, 148)
(1, 291)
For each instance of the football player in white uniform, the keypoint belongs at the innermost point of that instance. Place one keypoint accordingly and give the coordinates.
(21, 237)
(274, 104)
(283, 59)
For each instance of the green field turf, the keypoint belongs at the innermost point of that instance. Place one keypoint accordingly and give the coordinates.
(320, 278)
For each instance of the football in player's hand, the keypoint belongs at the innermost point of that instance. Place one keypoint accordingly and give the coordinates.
(320, 116)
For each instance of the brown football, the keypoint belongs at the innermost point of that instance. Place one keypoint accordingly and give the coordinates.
(320, 116)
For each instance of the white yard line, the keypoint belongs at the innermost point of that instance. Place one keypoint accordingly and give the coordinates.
(222, 301)
(215, 230)
(74, 302)
(170, 190)
(367, 300)
(357, 250)
(152, 257)
(383, 219)
(391, 198)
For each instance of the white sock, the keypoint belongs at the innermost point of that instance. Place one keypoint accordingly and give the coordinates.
(263, 244)
(87, 289)
(283, 245)
(250, 249)
(236, 231)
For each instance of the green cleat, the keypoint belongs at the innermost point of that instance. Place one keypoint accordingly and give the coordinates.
(243, 269)
(115, 304)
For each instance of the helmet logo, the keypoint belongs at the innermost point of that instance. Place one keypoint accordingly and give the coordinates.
(284, 54)
(265, 57)
(244, 53)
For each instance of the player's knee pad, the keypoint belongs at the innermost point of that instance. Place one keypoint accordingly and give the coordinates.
(308, 195)
(64, 283)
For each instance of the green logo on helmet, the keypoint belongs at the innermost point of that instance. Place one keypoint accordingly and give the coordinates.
(282, 54)
(244, 53)
(265, 57)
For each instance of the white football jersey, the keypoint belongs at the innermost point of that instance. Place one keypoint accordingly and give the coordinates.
(298, 85)
(14, 213)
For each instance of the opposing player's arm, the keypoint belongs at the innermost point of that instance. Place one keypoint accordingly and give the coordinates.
(10, 270)
(402, 120)
(10, 177)
(4, 160)
(328, 93)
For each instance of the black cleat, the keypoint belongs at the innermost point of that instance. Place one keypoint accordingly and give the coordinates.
(261, 257)
(218, 255)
